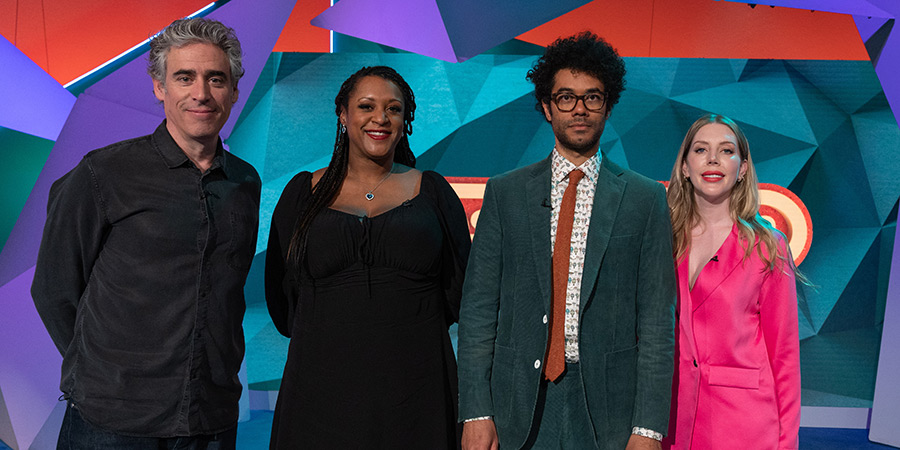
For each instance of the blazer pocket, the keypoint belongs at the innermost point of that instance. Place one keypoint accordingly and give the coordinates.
(737, 377)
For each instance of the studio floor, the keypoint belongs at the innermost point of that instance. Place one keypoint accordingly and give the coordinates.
(254, 435)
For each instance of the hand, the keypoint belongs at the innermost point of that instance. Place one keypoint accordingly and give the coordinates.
(480, 435)
(637, 443)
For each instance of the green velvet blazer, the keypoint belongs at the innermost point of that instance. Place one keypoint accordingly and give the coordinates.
(626, 333)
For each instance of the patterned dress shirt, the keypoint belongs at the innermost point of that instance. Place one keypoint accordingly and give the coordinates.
(560, 168)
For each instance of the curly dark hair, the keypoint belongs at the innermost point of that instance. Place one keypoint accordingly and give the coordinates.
(584, 52)
(330, 184)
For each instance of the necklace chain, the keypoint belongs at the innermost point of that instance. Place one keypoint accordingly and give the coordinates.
(371, 193)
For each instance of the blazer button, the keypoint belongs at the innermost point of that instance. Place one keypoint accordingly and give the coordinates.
(537, 364)
(695, 363)
(545, 318)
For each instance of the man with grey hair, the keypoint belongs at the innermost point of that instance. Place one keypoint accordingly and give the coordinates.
(145, 252)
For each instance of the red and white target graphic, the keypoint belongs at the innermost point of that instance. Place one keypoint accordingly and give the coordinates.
(783, 209)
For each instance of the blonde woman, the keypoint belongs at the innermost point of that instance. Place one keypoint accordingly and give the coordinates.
(738, 349)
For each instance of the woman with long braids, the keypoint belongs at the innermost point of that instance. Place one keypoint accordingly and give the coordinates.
(737, 374)
(364, 272)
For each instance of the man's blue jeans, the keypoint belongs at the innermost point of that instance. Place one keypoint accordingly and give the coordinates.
(76, 434)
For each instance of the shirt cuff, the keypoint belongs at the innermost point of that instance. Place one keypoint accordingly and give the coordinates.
(481, 418)
(647, 433)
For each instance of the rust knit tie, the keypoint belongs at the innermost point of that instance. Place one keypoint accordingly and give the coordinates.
(556, 348)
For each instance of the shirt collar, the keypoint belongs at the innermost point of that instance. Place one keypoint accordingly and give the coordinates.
(560, 167)
(175, 157)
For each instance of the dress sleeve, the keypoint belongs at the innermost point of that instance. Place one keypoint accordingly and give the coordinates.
(73, 237)
(282, 292)
(778, 319)
(455, 250)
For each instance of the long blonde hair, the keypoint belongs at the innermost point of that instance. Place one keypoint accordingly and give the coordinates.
(743, 201)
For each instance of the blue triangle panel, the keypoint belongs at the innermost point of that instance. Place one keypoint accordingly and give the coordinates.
(476, 25)
(699, 74)
(877, 135)
(837, 181)
(831, 262)
(652, 144)
(482, 149)
(849, 84)
(652, 75)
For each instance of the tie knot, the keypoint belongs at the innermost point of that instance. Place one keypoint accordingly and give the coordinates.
(575, 176)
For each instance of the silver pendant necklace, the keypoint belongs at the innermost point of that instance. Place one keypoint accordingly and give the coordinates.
(371, 194)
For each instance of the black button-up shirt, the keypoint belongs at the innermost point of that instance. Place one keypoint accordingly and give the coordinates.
(139, 281)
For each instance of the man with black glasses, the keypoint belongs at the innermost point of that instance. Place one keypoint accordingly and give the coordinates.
(566, 332)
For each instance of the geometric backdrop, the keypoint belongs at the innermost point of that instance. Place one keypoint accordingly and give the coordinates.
(825, 133)
(822, 129)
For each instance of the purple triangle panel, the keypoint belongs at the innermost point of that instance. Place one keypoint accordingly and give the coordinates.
(122, 106)
(888, 68)
(130, 87)
(886, 401)
(888, 71)
(411, 25)
(867, 25)
(33, 102)
(31, 363)
(475, 26)
(884, 411)
(853, 7)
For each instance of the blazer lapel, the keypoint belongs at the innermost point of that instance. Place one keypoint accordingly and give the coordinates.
(607, 199)
(537, 209)
(683, 272)
(727, 258)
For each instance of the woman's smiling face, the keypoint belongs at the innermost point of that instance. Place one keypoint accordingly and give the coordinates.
(374, 118)
(713, 163)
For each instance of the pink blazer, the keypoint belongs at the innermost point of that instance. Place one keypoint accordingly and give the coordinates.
(737, 354)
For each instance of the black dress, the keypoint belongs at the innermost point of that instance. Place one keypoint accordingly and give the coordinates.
(370, 364)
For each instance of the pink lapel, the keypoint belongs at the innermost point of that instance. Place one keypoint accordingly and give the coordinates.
(684, 317)
(728, 257)
(684, 290)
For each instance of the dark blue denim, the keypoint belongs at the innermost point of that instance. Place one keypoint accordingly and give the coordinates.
(76, 434)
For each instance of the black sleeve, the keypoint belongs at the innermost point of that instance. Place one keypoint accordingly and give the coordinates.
(282, 293)
(73, 237)
(457, 241)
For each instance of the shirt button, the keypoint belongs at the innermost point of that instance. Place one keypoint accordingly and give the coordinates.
(537, 364)
(545, 318)
(695, 363)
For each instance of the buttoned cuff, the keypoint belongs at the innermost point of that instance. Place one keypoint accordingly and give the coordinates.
(481, 418)
(647, 433)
